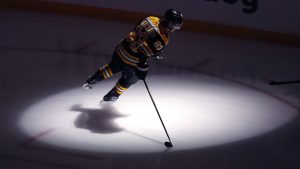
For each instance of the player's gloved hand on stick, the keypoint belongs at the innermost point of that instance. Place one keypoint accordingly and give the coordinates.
(141, 71)
(158, 57)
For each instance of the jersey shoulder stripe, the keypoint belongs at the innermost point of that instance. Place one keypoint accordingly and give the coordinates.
(154, 22)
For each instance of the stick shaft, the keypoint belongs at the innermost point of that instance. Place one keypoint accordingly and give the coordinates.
(156, 110)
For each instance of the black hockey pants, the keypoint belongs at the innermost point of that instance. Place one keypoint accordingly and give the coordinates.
(116, 65)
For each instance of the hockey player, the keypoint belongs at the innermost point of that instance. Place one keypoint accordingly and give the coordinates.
(131, 55)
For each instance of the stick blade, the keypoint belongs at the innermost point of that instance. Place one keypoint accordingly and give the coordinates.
(168, 144)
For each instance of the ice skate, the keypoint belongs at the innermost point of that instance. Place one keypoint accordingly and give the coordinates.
(111, 96)
(89, 84)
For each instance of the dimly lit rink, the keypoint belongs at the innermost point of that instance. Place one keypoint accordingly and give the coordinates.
(198, 111)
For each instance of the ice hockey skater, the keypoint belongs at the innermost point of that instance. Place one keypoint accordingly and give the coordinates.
(132, 54)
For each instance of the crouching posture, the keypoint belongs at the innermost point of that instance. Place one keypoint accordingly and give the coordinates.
(131, 55)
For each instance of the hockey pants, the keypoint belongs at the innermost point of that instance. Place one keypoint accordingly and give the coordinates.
(116, 65)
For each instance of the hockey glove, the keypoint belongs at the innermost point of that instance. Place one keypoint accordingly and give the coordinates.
(141, 71)
(158, 57)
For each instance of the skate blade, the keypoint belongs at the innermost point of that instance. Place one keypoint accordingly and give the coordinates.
(102, 102)
(86, 86)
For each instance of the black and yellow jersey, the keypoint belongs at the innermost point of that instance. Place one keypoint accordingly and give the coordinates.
(144, 41)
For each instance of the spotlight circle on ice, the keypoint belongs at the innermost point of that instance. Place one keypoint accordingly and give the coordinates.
(198, 111)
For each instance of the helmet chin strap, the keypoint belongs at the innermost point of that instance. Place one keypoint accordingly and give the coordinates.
(168, 27)
(171, 29)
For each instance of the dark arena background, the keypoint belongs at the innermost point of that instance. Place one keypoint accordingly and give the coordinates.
(227, 90)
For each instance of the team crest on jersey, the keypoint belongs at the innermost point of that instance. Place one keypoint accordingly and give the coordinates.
(158, 45)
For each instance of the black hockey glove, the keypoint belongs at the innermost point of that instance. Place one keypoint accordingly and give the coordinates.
(157, 56)
(141, 71)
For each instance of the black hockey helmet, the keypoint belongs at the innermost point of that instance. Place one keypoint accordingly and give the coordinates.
(173, 19)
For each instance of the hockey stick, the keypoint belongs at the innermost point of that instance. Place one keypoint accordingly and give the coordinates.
(167, 144)
(283, 82)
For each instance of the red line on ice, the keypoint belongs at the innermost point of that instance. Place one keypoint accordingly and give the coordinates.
(37, 137)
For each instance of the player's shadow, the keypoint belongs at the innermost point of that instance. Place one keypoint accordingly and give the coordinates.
(100, 120)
